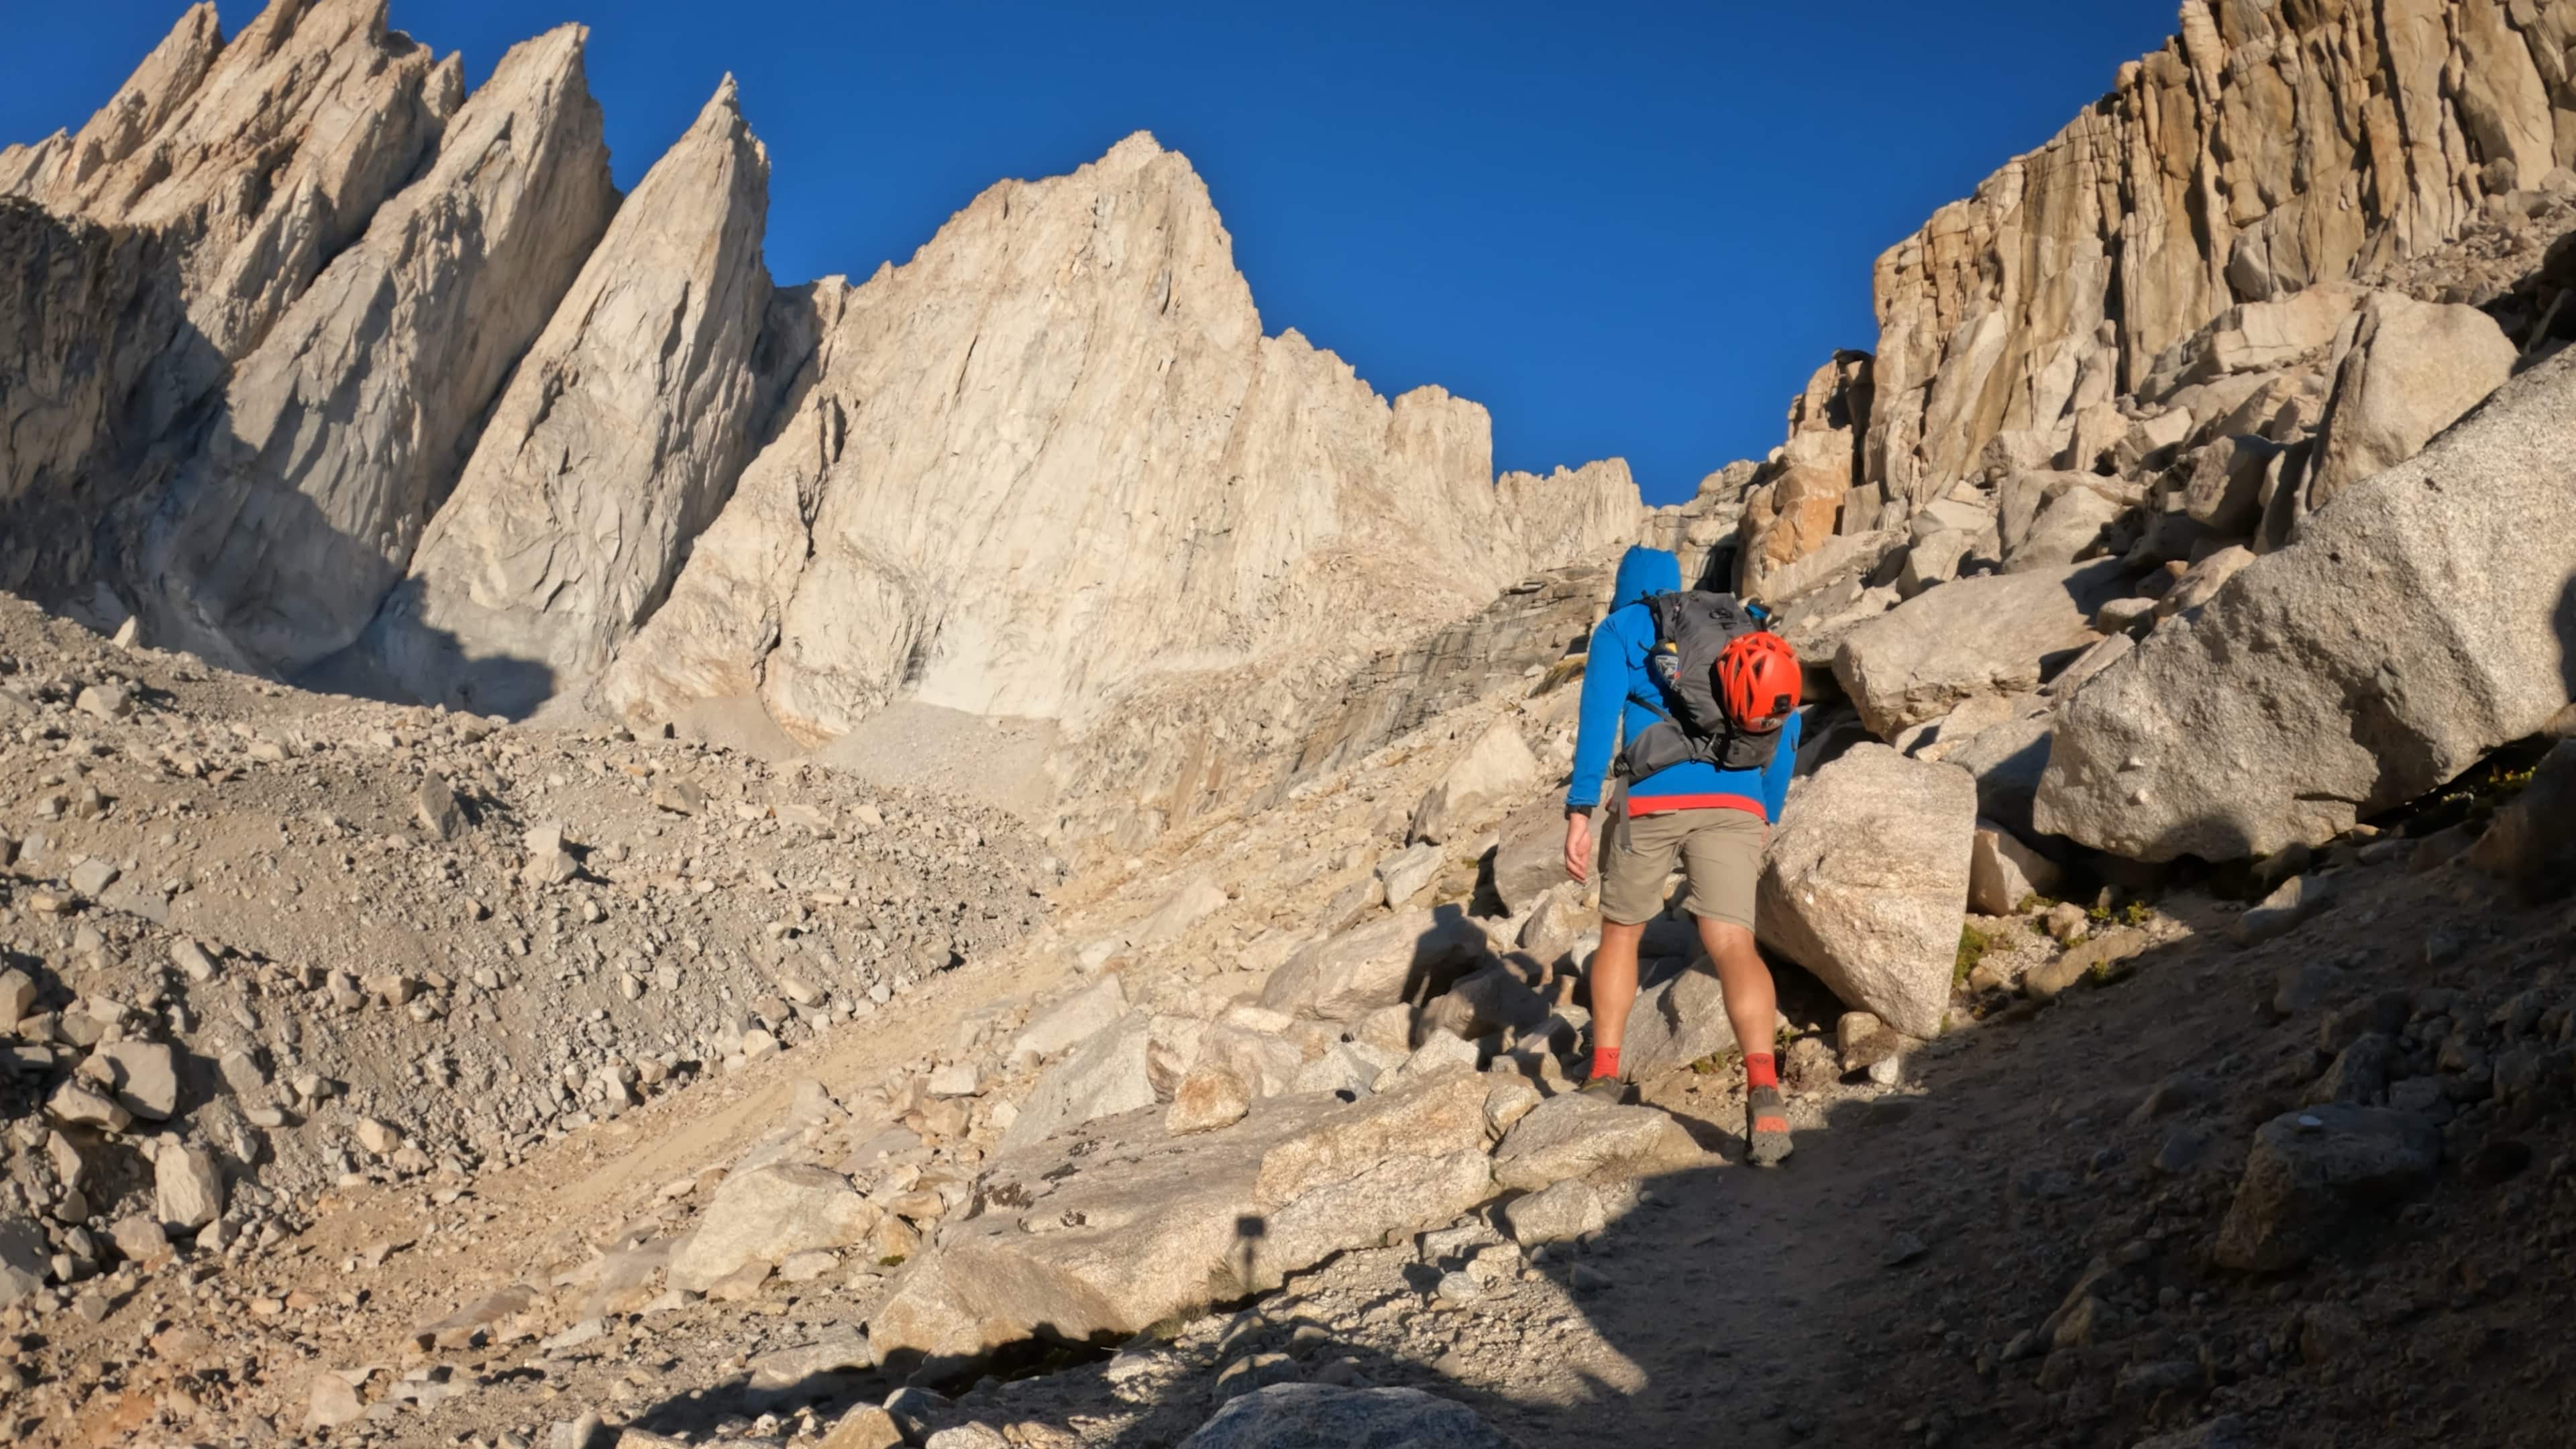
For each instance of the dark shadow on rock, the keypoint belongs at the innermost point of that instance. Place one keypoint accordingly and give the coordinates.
(94, 319)
(2562, 623)
(1442, 954)
(498, 684)
(125, 472)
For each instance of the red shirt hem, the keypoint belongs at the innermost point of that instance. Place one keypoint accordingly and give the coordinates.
(1663, 804)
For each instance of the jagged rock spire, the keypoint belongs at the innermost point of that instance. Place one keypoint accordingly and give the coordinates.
(619, 438)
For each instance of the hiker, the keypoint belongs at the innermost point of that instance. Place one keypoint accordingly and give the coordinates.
(1709, 745)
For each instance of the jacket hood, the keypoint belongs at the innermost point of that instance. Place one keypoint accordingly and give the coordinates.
(1644, 571)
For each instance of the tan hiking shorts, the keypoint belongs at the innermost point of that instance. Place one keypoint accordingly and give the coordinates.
(1720, 849)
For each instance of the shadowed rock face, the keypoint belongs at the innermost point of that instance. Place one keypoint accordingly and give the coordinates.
(330, 111)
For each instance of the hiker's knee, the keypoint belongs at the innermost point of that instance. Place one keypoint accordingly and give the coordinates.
(1613, 932)
(1727, 939)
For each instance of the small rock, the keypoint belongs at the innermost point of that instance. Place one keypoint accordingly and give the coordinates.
(17, 995)
(1457, 1289)
(192, 960)
(1213, 1095)
(434, 806)
(2311, 1172)
(75, 1105)
(679, 797)
(146, 1077)
(1254, 1371)
(105, 701)
(187, 1188)
(2065, 921)
(550, 861)
(808, 1266)
(2285, 910)
(139, 1237)
(1321, 1414)
(331, 1402)
(865, 1427)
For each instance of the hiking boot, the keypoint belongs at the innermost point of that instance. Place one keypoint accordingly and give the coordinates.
(1607, 1089)
(1766, 1127)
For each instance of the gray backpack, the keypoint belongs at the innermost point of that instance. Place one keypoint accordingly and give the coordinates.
(1691, 629)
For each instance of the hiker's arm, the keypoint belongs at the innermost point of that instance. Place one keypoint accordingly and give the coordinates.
(1596, 729)
(1784, 763)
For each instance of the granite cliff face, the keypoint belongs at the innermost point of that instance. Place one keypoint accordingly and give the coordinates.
(1054, 457)
(2268, 148)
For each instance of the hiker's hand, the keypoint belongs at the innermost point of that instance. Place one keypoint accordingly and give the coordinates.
(1578, 845)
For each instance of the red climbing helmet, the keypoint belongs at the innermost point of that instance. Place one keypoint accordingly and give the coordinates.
(1759, 681)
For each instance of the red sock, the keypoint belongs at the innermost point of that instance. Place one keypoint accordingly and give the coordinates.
(1605, 1061)
(1759, 1071)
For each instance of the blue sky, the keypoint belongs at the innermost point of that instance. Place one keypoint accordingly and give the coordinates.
(1628, 229)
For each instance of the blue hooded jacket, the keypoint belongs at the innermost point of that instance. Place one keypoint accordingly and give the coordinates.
(1620, 701)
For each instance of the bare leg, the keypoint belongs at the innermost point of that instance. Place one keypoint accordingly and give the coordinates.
(1614, 983)
(1752, 1005)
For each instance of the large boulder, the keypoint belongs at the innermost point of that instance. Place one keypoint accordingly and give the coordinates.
(1866, 881)
(2253, 337)
(1197, 899)
(1495, 770)
(1495, 998)
(2007, 762)
(1128, 1227)
(1408, 957)
(768, 1214)
(1529, 861)
(2046, 521)
(1319, 1416)
(1993, 635)
(2416, 626)
(1578, 1135)
(2225, 490)
(1077, 1018)
(1102, 1078)
(1675, 1022)
(2313, 1171)
(2411, 369)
